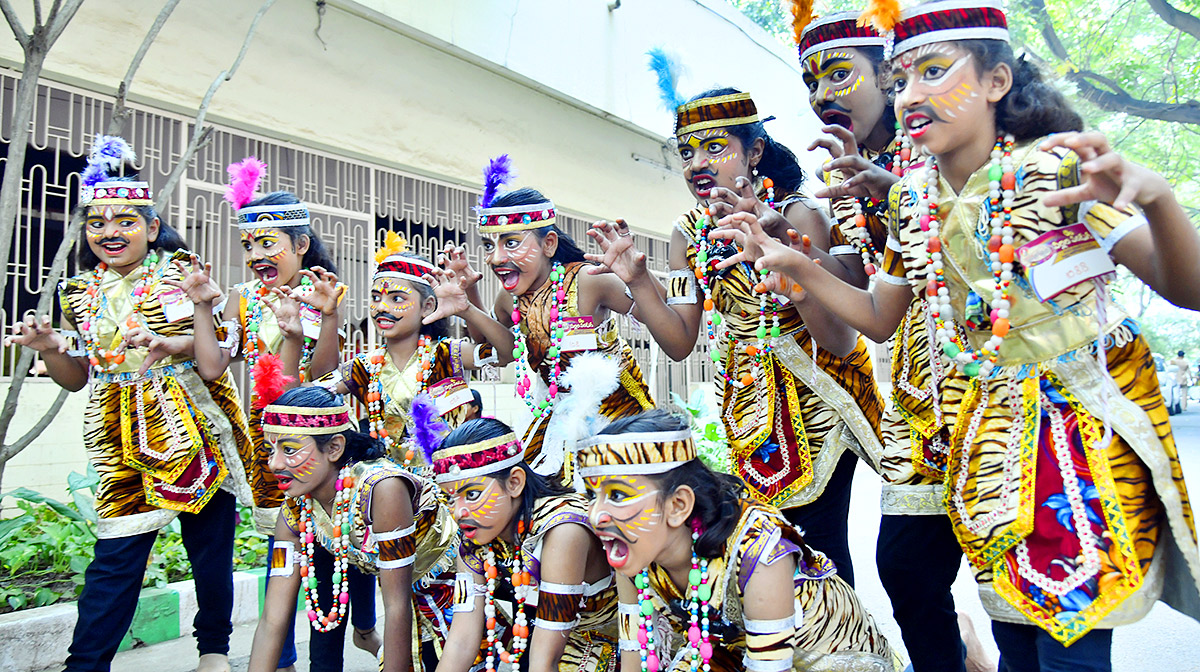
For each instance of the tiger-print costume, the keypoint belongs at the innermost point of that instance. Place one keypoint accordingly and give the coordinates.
(165, 442)
(400, 387)
(632, 396)
(435, 536)
(1014, 519)
(592, 642)
(269, 341)
(834, 630)
(788, 430)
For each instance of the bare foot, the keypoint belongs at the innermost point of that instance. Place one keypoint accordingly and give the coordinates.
(977, 658)
(368, 640)
(213, 662)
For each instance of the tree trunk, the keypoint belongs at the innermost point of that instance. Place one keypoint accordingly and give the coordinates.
(14, 173)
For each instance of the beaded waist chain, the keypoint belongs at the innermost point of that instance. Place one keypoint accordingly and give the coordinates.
(131, 377)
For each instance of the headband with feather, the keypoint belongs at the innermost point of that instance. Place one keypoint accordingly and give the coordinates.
(507, 219)
(428, 427)
(668, 70)
(244, 179)
(109, 154)
(802, 15)
(497, 173)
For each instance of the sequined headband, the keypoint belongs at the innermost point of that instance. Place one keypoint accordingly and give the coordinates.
(404, 268)
(837, 31)
(949, 20)
(116, 193)
(272, 216)
(634, 454)
(516, 218)
(715, 112)
(477, 459)
(306, 419)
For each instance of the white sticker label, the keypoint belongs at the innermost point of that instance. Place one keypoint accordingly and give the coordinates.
(310, 321)
(1060, 259)
(176, 305)
(579, 334)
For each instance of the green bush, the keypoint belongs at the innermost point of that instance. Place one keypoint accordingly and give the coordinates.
(45, 549)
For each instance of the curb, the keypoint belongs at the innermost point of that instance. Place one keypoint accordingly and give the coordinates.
(36, 639)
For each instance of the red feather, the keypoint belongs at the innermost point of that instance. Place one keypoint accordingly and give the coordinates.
(269, 381)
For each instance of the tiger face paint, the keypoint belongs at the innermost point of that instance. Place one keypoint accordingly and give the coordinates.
(300, 467)
(272, 256)
(940, 97)
(119, 236)
(396, 307)
(481, 507)
(844, 89)
(627, 516)
(712, 158)
(518, 259)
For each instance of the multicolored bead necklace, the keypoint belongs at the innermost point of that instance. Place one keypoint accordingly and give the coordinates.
(1001, 196)
(699, 592)
(97, 303)
(376, 397)
(521, 583)
(255, 346)
(903, 156)
(325, 622)
(558, 296)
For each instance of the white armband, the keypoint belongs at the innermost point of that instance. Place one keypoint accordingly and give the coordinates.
(233, 337)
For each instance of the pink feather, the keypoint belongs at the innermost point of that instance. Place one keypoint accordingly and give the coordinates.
(244, 178)
(269, 381)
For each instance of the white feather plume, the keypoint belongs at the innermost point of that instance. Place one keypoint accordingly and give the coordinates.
(586, 383)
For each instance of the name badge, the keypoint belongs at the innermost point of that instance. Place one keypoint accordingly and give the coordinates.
(310, 321)
(176, 305)
(578, 334)
(1060, 259)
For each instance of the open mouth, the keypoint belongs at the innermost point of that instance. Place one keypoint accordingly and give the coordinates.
(508, 278)
(266, 272)
(616, 551)
(285, 482)
(468, 530)
(703, 185)
(837, 118)
(916, 124)
(385, 321)
(114, 248)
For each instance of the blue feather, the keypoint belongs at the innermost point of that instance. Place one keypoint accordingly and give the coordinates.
(112, 151)
(93, 174)
(428, 426)
(498, 172)
(668, 77)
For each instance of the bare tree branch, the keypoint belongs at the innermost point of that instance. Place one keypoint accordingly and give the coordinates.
(120, 111)
(37, 13)
(1176, 18)
(58, 19)
(200, 131)
(14, 22)
(13, 449)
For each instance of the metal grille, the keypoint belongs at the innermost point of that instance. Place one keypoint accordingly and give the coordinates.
(352, 203)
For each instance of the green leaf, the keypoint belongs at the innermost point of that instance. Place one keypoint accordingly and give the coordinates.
(11, 525)
(77, 481)
(38, 498)
(85, 506)
(18, 602)
(45, 596)
(79, 563)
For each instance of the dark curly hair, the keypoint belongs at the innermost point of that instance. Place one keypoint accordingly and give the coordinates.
(778, 162)
(568, 251)
(536, 486)
(359, 447)
(317, 254)
(1032, 108)
(718, 504)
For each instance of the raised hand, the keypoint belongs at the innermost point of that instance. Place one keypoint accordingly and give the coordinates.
(454, 259)
(618, 255)
(863, 179)
(197, 282)
(451, 292)
(37, 334)
(1106, 176)
(324, 294)
(157, 347)
(287, 312)
(757, 247)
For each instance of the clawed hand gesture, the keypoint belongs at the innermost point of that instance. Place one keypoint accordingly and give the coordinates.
(454, 259)
(450, 288)
(324, 294)
(157, 347)
(723, 202)
(197, 283)
(764, 251)
(286, 309)
(1107, 176)
(862, 179)
(618, 255)
(37, 335)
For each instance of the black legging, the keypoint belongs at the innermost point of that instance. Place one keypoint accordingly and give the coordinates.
(825, 519)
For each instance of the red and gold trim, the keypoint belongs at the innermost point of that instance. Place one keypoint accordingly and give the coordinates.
(477, 459)
(950, 20)
(306, 419)
(516, 218)
(837, 31)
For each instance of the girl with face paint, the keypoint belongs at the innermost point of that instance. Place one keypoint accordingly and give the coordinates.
(525, 542)
(1040, 369)
(411, 301)
(554, 309)
(798, 396)
(347, 506)
(731, 582)
(165, 443)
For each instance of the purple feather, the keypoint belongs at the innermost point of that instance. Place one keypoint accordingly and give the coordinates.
(112, 151)
(428, 426)
(93, 174)
(498, 172)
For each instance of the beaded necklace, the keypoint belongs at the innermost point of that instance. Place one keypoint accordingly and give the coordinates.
(871, 257)
(325, 622)
(376, 397)
(97, 304)
(706, 276)
(255, 344)
(1001, 196)
(521, 582)
(558, 297)
(697, 646)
